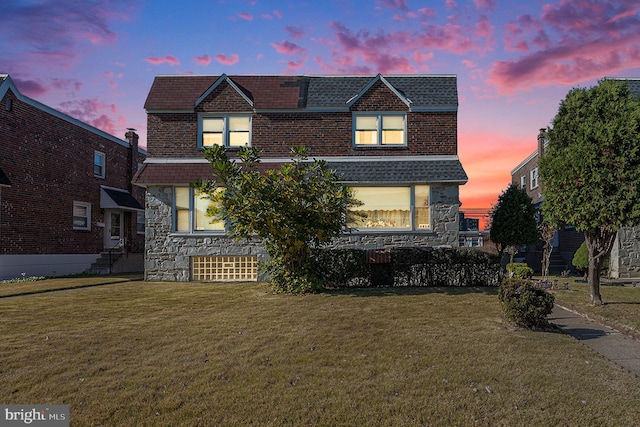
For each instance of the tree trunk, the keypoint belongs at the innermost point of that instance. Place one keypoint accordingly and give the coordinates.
(595, 265)
(599, 243)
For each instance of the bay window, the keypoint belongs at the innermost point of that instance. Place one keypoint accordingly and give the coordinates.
(379, 129)
(393, 208)
(225, 130)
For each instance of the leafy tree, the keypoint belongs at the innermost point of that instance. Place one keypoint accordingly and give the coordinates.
(591, 168)
(513, 220)
(293, 209)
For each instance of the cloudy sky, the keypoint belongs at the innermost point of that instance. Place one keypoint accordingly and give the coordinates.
(515, 60)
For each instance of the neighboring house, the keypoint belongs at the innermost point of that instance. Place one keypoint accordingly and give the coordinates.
(65, 191)
(566, 240)
(624, 261)
(392, 138)
(470, 235)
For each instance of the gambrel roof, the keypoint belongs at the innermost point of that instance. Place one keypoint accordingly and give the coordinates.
(304, 93)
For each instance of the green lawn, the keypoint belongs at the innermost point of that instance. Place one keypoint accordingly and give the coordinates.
(621, 303)
(156, 354)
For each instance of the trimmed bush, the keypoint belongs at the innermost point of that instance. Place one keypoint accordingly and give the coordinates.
(524, 304)
(519, 270)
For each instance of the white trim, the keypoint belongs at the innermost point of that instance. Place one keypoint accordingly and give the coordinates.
(8, 84)
(217, 83)
(524, 162)
(171, 160)
(377, 78)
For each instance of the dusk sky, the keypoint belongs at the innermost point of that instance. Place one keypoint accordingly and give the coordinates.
(515, 60)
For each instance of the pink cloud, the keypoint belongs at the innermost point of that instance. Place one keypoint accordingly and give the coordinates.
(468, 63)
(31, 88)
(92, 111)
(227, 60)
(58, 32)
(420, 57)
(582, 40)
(294, 66)
(203, 60)
(277, 14)
(288, 48)
(245, 16)
(426, 11)
(169, 59)
(294, 32)
(451, 4)
(485, 4)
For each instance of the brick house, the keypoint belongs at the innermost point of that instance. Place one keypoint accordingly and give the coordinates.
(567, 240)
(65, 191)
(624, 261)
(392, 138)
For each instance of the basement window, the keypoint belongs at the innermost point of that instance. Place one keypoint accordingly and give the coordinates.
(224, 268)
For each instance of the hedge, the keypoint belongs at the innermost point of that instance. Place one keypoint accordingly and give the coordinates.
(347, 268)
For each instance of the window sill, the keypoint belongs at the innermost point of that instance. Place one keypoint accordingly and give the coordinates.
(381, 147)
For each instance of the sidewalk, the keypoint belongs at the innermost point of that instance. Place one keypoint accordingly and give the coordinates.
(611, 344)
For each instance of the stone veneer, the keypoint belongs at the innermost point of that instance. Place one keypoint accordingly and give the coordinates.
(625, 255)
(167, 254)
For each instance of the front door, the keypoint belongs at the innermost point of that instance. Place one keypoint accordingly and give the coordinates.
(113, 236)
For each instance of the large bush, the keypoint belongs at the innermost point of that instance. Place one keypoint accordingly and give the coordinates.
(524, 304)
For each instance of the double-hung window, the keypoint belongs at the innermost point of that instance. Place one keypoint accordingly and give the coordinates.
(393, 208)
(81, 216)
(383, 129)
(228, 130)
(534, 178)
(190, 212)
(98, 164)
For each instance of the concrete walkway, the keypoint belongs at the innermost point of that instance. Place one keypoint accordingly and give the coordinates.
(610, 343)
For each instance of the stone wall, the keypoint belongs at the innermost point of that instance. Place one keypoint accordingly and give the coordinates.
(625, 255)
(167, 254)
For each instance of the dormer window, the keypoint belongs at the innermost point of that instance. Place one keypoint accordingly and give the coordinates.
(381, 129)
(225, 130)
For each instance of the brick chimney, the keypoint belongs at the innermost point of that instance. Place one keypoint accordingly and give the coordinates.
(542, 136)
(132, 137)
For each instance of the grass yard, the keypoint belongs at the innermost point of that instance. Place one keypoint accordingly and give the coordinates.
(621, 303)
(171, 354)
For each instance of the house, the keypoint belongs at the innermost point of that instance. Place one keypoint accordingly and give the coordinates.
(624, 261)
(66, 196)
(392, 138)
(566, 240)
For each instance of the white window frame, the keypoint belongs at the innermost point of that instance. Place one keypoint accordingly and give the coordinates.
(379, 128)
(523, 182)
(534, 178)
(191, 216)
(226, 131)
(103, 166)
(87, 217)
(414, 225)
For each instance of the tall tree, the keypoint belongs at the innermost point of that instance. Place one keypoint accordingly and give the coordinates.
(293, 209)
(591, 168)
(513, 220)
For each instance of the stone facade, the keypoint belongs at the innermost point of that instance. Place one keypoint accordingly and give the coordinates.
(168, 254)
(625, 255)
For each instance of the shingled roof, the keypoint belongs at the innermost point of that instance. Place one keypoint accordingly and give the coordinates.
(423, 92)
(428, 170)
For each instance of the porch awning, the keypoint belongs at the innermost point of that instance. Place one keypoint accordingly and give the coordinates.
(113, 198)
(4, 180)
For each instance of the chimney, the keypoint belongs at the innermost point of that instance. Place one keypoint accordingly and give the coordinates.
(542, 136)
(132, 137)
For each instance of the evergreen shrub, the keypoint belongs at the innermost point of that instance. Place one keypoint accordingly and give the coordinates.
(524, 304)
(519, 270)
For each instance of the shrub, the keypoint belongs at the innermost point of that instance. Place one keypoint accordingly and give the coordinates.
(519, 270)
(581, 261)
(524, 304)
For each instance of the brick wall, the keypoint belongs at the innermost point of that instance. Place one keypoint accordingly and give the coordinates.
(50, 164)
(325, 134)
